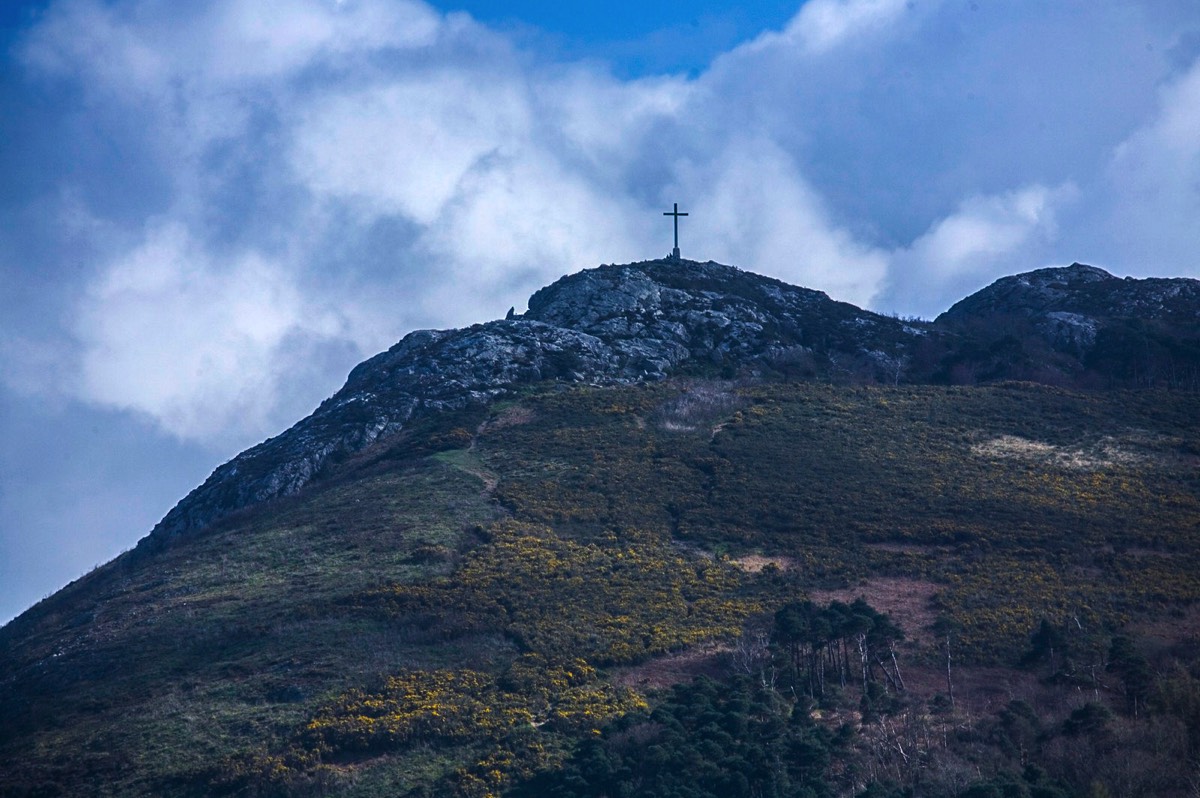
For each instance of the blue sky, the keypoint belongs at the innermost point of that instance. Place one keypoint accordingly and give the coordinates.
(210, 212)
(633, 40)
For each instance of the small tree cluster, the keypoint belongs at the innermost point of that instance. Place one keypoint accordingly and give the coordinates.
(838, 644)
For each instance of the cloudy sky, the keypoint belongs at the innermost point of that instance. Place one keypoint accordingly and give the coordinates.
(210, 211)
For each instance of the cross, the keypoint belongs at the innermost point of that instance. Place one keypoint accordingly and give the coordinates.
(676, 214)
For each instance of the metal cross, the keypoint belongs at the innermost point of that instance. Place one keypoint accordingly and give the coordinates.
(676, 214)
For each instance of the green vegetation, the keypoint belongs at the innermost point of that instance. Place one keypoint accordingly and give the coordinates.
(613, 600)
(704, 739)
(486, 603)
(1022, 501)
(818, 642)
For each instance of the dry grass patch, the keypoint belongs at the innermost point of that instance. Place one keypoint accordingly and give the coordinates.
(907, 601)
(662, 672)
(756, 563)
(1105, 453)
(513, 416)
(906, 548)
(699, 405)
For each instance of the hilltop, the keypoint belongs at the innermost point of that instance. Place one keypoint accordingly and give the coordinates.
(644, 322)
(498, 558)
(612, 325)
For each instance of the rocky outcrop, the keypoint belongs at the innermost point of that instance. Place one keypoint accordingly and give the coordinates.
(612, 324)
(428, 371)
(1081, 325)
(661, 314)
(1082, 292)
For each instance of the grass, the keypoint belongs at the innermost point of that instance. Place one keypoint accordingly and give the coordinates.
(226, 640)
(822, 475)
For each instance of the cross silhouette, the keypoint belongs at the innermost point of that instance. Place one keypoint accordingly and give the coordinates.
(676, 214)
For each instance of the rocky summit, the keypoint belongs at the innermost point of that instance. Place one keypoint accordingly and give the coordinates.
(1084, 291)
(609, 325)
(620, 324)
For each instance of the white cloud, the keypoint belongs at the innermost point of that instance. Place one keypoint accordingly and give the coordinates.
(339, 172)
(403, 147)
(822, 25)
(527, 211)
(606, 123)
(984, 228)
(278, 38)
(1152, 185)
(86, 35)
(152, 45)
(822, 28)
(196, 344)
(986, 236)
(752, 206)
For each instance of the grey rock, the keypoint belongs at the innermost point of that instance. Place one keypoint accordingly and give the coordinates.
(1083, 291)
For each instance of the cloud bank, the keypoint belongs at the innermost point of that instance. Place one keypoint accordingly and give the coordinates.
(258, 196)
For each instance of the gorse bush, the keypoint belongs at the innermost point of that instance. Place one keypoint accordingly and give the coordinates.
(509, 718)
(614, 599)
(426, 706)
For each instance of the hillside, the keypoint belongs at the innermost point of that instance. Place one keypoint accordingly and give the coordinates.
(568, 514)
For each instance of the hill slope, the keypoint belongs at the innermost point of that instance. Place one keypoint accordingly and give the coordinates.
(535, 547)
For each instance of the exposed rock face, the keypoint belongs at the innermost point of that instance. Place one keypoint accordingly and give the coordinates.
(613, 324)
(1093, 328)
(660, 314)
(1084, 292)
